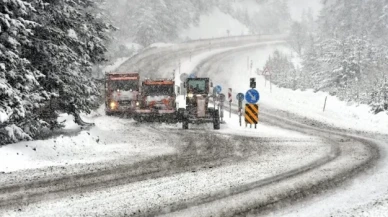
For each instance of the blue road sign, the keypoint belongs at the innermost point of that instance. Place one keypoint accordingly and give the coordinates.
(252, 96)
(218, 89)
(192, 76)
(240, 97)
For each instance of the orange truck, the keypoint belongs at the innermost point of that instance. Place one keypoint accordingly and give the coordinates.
(157, 101)
(121, 93)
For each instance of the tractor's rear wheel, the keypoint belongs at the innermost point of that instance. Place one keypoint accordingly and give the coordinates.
(216, 120)
(185, 124)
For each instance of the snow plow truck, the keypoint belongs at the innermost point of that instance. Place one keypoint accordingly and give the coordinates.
(197, 104)
(157, 102)
(121, 93)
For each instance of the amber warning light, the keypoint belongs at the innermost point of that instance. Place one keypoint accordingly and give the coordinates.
(123, 78)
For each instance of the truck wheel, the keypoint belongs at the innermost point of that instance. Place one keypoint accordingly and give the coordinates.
(185, 124)
(216, 120)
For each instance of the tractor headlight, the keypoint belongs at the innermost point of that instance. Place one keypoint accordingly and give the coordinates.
(190, 95)
(113, 105)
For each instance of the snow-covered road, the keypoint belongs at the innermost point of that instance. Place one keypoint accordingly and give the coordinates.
(161, 169)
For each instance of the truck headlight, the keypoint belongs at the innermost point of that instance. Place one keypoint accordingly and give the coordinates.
(113, 105)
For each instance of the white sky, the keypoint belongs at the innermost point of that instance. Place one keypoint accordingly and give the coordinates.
(297, 7)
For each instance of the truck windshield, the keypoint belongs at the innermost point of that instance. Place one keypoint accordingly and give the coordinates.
(125, 85)
(152, 90)
(197, 86)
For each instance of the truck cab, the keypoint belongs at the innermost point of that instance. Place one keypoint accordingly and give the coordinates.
(121, 93)
(157, 101)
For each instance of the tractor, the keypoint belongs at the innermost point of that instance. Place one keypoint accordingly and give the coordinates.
(197, 104)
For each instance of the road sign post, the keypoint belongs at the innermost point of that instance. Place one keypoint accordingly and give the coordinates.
(240, 98)
(183, 78)
(230, 102)
(180, 66)
(221, 108)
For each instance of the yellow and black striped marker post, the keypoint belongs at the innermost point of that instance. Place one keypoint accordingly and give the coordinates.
(251, 114)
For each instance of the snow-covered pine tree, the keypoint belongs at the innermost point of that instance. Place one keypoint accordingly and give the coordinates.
(184, 12)
(283, 72)
(150, 22)
(349, 54)
(298, 37)
(20, 91)
(68, 41)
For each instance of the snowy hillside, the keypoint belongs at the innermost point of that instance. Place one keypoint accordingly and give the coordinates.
(298, 6)
(210, 27)
(251, 6)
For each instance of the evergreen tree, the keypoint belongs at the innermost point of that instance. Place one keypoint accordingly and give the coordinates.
(151, 22)
(297, 37)
(20, 93)
(47, 49)
(283, 72)
(349, 56)
(68, 41)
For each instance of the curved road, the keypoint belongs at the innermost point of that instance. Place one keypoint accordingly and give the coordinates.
(337, 158)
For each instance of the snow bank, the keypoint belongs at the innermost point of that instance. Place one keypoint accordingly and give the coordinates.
(159, 45)
(215, 25)
(134, 46)
(3, 117)
(111, 139)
